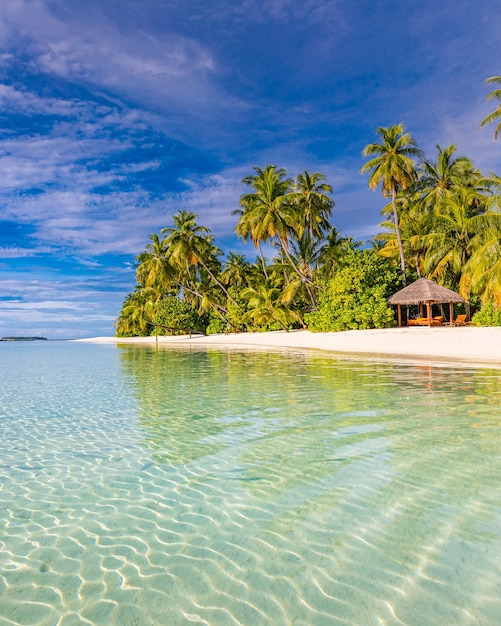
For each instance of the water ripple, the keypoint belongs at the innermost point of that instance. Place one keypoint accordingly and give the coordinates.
(226, 488)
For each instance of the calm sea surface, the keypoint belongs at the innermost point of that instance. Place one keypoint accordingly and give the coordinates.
(147, 487)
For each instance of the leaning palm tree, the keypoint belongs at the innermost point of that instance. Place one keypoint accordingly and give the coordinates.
(153, 267)
(393, 166)
(183, 240)
(495, 116)
(137, 312)
(205, 297)
(190, 245)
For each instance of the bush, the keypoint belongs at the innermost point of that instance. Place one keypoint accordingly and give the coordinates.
(355, 298)
(174, 316)
(216, 325)
(488, 315)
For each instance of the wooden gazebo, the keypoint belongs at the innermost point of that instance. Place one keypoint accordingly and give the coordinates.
(425, 292)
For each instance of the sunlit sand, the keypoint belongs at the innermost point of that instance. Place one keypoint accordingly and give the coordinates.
(459, 344)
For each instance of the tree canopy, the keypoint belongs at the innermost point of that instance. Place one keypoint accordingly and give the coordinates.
(443, 221)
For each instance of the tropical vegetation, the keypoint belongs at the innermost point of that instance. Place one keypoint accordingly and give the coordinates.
(442, 221)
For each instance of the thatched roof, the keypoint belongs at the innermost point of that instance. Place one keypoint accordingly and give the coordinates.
(423, 291)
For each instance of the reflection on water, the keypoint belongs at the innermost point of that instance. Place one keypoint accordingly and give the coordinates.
(155, 486)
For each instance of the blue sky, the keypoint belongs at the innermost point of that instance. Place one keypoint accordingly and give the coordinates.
(116, 114)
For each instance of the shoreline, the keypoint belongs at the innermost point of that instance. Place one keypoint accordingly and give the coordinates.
(461, 345)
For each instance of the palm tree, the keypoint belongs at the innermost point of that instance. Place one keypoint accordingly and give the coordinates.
(392, 165)
(272, 212)
(415, 223)
(189, 245)
(495, 116)
(153, 265)
(439, 180)
(138, 309)
(266, 305)
(183, 240)
(268, 212)
(205, 297)
(413, 231)
(482, 273)
(247, 228)
(236, 270)
(451, 236)
(332, 251)
(314, 204)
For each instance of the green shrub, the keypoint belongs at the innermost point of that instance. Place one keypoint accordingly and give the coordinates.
(174, 316)
(216, 325)
(355, 298)
(488, 315)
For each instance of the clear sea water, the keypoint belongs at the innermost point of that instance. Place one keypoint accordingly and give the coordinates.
(144, 486)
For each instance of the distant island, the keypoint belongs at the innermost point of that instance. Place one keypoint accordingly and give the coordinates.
(23, 339)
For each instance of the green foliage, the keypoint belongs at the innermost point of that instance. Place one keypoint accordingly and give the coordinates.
(236, 307)
(495, 116)
(237, 314)
(136, 314)
(356, 296)
(443, 221)
(216, 325)
(127, 331)
(174, 316)
(266, 308)
(488, 315)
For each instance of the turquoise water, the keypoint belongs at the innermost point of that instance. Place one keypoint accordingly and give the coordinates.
(155, 487)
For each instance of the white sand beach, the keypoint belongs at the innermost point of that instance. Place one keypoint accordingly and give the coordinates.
(464, 345)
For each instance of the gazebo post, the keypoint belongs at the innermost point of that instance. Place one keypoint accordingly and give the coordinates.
(399, 316)
(451, 314)
(428, 313)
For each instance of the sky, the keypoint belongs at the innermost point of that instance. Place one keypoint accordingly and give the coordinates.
(117, 114)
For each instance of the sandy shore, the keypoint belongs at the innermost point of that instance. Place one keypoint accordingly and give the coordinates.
(465, 345)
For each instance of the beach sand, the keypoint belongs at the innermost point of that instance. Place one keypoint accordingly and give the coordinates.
(463, 345)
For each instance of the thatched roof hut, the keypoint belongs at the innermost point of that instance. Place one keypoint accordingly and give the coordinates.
(425, 292)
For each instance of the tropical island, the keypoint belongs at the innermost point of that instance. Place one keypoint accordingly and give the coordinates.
(23, 339)
(441, 220)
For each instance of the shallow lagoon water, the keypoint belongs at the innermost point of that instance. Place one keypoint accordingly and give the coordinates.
(144, 486)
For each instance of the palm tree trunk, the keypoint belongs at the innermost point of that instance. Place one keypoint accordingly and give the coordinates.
(307, 282)
(220, 285)
(217, 308)
(284, 246)
(196, 293)
(225, 319)
(281, 324)
(262, 260)
(397, 232)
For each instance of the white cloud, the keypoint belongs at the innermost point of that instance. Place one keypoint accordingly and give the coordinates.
(56, 307)
(133, 63)
(16, 252)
